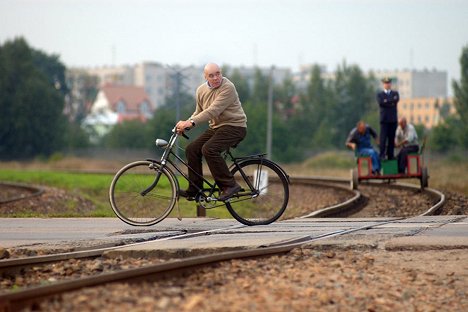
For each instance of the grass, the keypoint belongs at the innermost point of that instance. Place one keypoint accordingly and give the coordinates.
(446, 174)
(93, 187)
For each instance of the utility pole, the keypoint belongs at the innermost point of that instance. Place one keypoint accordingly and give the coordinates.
(178, 78)
(178, 81)
(270, 114)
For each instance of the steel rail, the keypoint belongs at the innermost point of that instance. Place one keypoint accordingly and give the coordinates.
(11, 264)
(345, 206)
(35, 191)
(15, 300)
(19, 299)
(27, 261)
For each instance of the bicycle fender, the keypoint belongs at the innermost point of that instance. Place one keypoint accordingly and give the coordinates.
(269, 162)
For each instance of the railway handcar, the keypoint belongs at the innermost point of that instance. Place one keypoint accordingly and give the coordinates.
(415, 170)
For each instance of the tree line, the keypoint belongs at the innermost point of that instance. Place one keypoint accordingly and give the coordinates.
(316, 118)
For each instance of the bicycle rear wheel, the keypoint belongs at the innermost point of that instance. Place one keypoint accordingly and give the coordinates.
(265, 193)
(131, 204)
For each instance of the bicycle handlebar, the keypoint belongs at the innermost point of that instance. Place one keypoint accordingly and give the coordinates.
(182, 134)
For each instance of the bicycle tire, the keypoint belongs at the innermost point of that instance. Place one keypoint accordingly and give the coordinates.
(127, 201)
(269, 199)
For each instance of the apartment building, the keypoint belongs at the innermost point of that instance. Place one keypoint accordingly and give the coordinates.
(427, 111)
(417, 83)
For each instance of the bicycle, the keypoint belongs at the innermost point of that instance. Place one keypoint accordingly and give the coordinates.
(144, 192)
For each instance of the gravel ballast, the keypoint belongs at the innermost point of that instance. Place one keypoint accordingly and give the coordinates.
(303, 280)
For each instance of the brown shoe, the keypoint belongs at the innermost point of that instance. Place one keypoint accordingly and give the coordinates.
(229, 191)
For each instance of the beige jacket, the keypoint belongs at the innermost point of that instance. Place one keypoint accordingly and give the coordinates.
(220, 106)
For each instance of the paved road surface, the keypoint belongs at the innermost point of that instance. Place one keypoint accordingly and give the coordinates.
(420, 233)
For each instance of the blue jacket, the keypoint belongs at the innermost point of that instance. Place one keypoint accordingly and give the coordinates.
(388, 106)
(362, 140)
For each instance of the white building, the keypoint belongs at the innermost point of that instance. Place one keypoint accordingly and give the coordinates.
(115, 104)
(417, 83)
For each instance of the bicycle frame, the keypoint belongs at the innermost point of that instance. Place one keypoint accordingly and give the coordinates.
(236, 161)
(165, 160)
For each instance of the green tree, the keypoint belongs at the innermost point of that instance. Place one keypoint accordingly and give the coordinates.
(75, 137)
(353, 99)
(52, 68)
(255, 141)
(460, 90)
(30, 104)
(259, 93)
(242, 85)
(317, 112)
(128, 134)
(443, 137)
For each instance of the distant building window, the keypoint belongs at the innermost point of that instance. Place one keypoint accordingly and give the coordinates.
(411, 119)
(144, 108)
(121, 107)
(404, 106)
(427, 118)
(148, 78)
(419, 119)
(419, 105)
(428, 105)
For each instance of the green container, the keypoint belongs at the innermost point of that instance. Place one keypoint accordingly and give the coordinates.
(390, 166)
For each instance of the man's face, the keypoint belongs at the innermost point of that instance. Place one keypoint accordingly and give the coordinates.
(387, 85)
(361, 128)
(213, 76)
(403, 123)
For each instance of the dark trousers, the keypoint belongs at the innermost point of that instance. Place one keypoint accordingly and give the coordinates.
(387, 139)
(211, 144)
(403, 156)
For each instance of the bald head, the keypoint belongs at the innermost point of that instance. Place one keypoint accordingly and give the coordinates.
(211, 67)
(402, 122)
(213, 75)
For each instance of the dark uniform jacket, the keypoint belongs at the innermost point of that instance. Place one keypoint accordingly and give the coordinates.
(388, 105)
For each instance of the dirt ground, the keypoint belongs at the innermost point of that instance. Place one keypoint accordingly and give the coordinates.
(303, 280)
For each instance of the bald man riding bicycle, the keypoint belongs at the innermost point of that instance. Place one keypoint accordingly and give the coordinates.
(217, 102)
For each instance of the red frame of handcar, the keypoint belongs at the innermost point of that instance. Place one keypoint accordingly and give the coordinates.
(420, 173)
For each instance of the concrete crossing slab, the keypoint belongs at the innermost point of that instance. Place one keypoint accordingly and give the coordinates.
(417, 232)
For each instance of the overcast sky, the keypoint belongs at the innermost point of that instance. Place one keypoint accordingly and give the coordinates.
(374, 34)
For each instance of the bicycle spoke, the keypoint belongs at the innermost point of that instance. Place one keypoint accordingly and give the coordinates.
(269, 198)
(130, 205)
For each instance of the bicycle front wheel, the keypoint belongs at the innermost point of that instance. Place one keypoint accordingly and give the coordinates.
(142, 193)
(264, 195)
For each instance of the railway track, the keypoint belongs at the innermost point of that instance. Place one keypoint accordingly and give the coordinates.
(23, 298)
(18, 191)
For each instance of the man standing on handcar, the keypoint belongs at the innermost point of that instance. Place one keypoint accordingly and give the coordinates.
(388, 102)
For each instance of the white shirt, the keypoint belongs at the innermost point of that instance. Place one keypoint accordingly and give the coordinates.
(409, 134)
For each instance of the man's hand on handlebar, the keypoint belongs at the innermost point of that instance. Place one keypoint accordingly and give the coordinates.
(183, 125)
